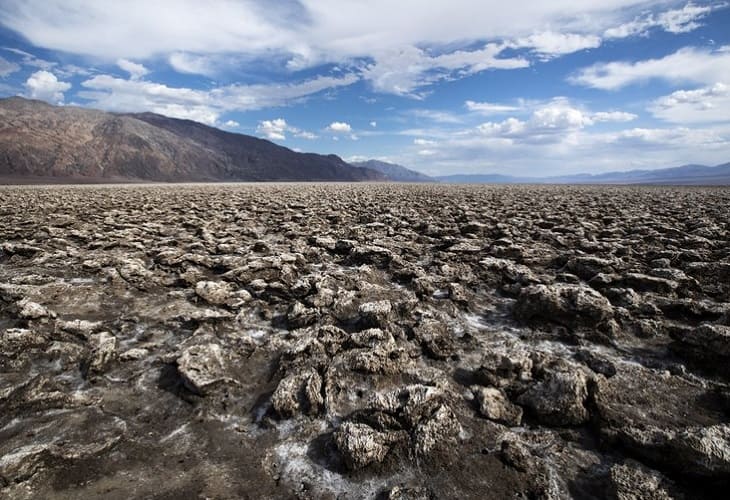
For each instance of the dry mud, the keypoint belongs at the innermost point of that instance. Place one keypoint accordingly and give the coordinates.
(364, 341)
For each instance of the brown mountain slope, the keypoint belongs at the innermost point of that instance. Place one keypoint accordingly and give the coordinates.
(68, 144)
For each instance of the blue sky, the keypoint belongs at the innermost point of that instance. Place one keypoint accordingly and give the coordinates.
(444, 87)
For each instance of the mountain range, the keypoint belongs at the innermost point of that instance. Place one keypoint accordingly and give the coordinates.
(684, 175)
(42, 143)
(393, 172)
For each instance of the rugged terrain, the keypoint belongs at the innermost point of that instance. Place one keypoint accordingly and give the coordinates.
(40, 143)
(364, 341)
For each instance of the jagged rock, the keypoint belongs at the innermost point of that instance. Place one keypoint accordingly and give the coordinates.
(510, 272)
(134, 271)
(371, 337)
(221, 293)
(634, 481)
(81, 327)
(516, 454)
(664, 418)
(573, 306)
(203, 366)
(435, 338)
(360, 445)
(501, 369)
(596, 362)
(28, 309)
(370, 254)
(708, 344)
(134, 354)
(587, 266)
(406, 493)
(645, 283)
(300, 315)
(383, 359)
(17, 340)
(104, 351)
(299, 392)
(428, 418)
(376, 314)
(439, 428)
(559, 397)
(494, 405)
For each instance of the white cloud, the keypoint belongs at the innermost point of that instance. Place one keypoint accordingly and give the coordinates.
(487, 108)
(183, 62)
(688, 64)
(410, 47)
(373, 124)
(550, 43)
(673, 21)
(135, 70)
(28, 59)
(339, 128)
(613, 116)
(303, 134)
(273, 129)
(508, 147)
(703, 105)
(117, 94)
(45, 86)
(550, 122)
(231, 124)
(7, 67)
(423, 142)
(433, 115)
(406, 70)
(278, 128)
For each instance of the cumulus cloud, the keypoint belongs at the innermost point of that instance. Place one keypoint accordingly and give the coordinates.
(703, 105)
(45, 86)
(550, 122)
(373, 124)
(135, 70)
(339, 128)
(689, 64)
(231, 124)
(277, 129)
(273, 129)
(7, 67)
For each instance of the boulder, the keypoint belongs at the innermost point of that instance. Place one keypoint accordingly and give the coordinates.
(202, 366)
(559, 396)
(298, 392)
(570, 305)
(494, 405)
(360, 445)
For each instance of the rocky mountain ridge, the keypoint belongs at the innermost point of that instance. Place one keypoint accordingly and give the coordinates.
(44, 143)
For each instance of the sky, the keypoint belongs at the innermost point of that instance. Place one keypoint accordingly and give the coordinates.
(441, 86)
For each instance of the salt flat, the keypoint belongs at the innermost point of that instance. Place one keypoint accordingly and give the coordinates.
(364, 341)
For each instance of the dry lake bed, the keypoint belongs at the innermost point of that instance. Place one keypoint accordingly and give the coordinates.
(364, 341)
